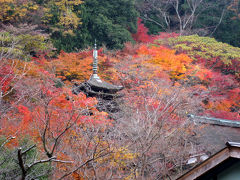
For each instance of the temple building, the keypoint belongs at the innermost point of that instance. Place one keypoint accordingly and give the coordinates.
(223, 165)
(106, 93)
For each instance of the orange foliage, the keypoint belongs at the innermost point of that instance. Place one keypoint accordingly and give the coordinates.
(60, 104)
(151, 75)
(176, 64)
(77, 67)
(71, 66)
(57, 113)
(6, 76)
(151, 63)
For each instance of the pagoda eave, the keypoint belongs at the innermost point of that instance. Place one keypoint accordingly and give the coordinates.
(99, 85)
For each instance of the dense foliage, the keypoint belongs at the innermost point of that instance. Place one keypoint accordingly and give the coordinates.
(218, 18)
(213, 54)
(48, 132)
(109, 22)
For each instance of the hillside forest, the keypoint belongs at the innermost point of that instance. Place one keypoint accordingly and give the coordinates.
(175, 59)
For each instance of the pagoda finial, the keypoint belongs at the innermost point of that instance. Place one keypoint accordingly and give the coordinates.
(95, 60)
(95, 45)
(95, 63)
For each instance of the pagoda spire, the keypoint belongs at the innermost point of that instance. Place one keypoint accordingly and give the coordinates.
(95, 64)
(106, 93)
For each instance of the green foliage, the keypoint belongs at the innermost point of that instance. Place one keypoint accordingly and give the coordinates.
(62, 15)
(152, 27)
(30, 43)
(229, 30)
(9, 167)
(205, 47)
(213, 18)
(7, 46)
(19, 43)
(109, 22)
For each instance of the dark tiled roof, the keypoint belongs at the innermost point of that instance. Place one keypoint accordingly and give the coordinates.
(233, 144)
(215, 164)
(102, 85)
(215, 121)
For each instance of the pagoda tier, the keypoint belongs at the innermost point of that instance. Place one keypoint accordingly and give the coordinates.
(94, 88)
(103, 91)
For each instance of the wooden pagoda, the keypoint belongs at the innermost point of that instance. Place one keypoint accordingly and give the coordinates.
(106, 93)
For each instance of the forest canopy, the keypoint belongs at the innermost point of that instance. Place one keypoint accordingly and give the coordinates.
(175, 60)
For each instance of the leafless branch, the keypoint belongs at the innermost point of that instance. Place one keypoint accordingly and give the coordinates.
(219, 22)
(82, 165)
(41, 161)
(7, 140)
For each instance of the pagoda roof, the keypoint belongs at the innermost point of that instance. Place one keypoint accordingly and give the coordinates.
(103, 86)
(95, 86)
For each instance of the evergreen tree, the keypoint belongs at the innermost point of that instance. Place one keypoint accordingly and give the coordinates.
(109, 22)
(215, 18)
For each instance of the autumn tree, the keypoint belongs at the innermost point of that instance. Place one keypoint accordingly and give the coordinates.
(155, 113)
(23, 41)
(13, 11)
(156, 132)
(17, 43)
(60, 124)
(212, 54)
(214, 69)
(62, 15)
(142, 33)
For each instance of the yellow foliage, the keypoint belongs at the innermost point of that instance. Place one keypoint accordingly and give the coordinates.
(13, 10)
(119, 157)
(68, 17)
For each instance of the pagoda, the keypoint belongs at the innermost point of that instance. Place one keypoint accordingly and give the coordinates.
(106, 93)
